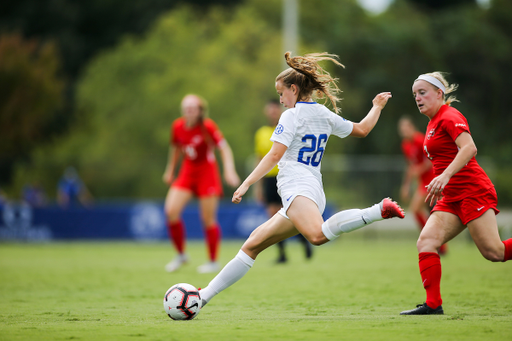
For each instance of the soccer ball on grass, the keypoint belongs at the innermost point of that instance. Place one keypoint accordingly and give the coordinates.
(182, 302)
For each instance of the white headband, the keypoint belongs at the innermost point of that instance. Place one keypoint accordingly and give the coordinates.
(433, 81)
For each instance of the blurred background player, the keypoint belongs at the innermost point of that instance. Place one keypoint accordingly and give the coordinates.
(465, 195)
(72, 191)
(194, 138)
(418, 170)
(33, 194)
(266, 188)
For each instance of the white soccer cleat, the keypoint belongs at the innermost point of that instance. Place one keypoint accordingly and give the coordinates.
(208, 268)
(176, 263)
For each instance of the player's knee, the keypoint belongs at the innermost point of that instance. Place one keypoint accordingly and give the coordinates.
(208, 223)
(493, 255)
(316, 239)
(252, 249)
(420, 244)
(172, 215)
(426, 244)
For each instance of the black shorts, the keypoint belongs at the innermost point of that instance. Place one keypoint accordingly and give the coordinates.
(270, 195)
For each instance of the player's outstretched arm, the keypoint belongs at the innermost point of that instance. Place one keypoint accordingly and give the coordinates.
(363, 128)
(266, 164)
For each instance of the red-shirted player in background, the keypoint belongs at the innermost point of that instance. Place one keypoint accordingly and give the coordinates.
(194, 139)
(465, 195)
(419, 169)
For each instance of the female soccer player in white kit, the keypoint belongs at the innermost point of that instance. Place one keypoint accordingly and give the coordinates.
(299, 144)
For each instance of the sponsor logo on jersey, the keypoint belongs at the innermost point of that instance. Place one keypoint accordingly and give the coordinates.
(279, 129)
(460, 125)
(430, 134)
(197, 139)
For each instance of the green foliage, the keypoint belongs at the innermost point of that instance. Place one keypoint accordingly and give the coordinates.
(383, 53)
(83, 28)
(30, 96)
(132, 94)
(352, 289)
(129, 95)
(440, 4)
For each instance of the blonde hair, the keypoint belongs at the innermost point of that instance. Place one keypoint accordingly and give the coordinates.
(310, 77)
(440, 76)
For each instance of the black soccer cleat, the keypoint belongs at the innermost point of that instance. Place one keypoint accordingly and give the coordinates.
(423, 309)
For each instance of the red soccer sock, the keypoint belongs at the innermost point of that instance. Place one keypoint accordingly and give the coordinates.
(508, 249)
(177, 235)
(430, 269)
(421, 219)
(212, 234)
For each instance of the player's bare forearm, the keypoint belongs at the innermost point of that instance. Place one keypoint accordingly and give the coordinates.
(230, 174)
(172, 160)
(261, 169)
(227, 156)
(467, 150)
(363, 128)
(266, 164)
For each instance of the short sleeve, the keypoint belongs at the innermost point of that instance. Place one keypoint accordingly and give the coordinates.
(342, 127)
(174, 133)
(455, 124)
(213, 131)
(285, 129)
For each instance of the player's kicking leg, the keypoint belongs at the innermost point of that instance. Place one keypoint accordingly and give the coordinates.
(351, 220)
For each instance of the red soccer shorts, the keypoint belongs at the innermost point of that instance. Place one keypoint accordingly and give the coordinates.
(470, 208)
(202, 181)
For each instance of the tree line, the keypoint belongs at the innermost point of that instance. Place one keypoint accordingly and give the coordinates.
(128, 92)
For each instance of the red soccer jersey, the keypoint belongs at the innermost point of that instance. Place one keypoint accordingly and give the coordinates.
(439, 146)
(197, 142)
(413, 152)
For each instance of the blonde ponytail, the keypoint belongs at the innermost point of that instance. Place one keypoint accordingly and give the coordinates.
(310, 77)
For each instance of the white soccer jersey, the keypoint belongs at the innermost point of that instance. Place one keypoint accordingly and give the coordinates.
(305, 130)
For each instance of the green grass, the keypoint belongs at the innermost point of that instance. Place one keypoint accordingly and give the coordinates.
(352, 289)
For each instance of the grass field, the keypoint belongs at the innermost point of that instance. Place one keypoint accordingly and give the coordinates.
(352, 289)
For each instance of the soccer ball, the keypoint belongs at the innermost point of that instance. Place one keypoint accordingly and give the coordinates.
(182, 302)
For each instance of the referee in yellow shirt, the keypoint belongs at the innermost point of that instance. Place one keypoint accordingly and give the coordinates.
(266, 189)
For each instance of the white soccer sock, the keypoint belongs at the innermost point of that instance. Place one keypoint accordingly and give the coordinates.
(350, 220)
(232, 272)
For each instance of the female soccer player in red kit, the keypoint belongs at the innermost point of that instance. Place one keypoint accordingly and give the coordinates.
(419, 168)
(465, 195)
(194, 138)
